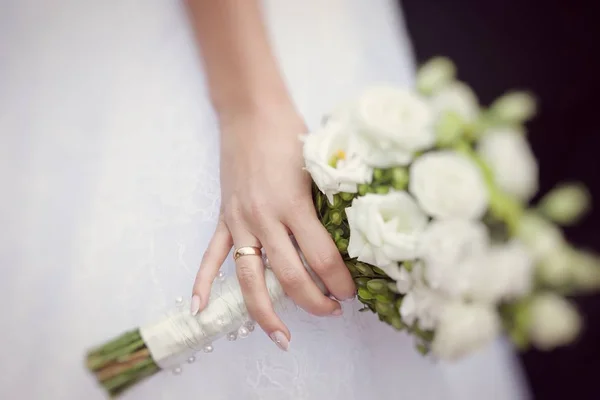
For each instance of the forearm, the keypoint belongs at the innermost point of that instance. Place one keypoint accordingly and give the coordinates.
(241, 69)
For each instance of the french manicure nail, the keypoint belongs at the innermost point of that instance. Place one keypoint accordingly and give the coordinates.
(195, 306)
(280, 340)
(337, 312)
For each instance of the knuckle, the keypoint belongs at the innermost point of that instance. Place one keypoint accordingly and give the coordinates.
(290, 278)
(300, 207)
(326, 263)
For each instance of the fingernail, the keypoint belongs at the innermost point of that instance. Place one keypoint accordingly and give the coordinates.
(337, 312)
(195, 306)
(280, 340)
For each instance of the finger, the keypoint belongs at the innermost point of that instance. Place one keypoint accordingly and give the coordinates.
(251, 275)
(295, 279)
(213, 258)
(323, 256)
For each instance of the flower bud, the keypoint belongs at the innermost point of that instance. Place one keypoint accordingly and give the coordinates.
(566, 203)
(377, 286)
(514, 107)
(335, 217)
(363, 189)
(435, 74)
(342, 245)
(364, 269)
(347, 196)
(449, 129)
(554, 321)
(399, 178)
(382, 189)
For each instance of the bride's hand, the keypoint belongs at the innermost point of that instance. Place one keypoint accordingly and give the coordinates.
(266, 196)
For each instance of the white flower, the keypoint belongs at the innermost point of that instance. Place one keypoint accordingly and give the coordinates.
(435, 74)
(384, 228)
(448, 185)
(540, 235)
(507, 153)
(446, 248)
(403, 278)
(554, 321)
(464, 328)
(392, 125)
(505, 272)
(331, 159)
(422, 305)
(457, 98)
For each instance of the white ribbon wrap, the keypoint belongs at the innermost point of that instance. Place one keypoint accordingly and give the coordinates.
(178, 336)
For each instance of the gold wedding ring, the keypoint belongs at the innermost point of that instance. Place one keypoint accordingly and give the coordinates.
(246, 251)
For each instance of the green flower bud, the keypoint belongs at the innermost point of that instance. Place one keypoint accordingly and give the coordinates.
(379, 271)
(378, 174)
(435, 74)
(449, 129)
(337, 201)
(364, 269)
(363, 189)
(399, 178)
(384, 298)
(408, 265)
(566, 204)
(335, 217)
(397, 323)
(377, 286)
(514, 108)
(364, 294)
(422, 348)
(352, 268)
(586, 271)
(362, 282)
(342, 245)
(392, 287)
(347, 196)
(384, 309)
(382, 189)
(398, 303)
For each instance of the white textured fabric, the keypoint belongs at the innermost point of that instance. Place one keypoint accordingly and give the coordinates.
(108, 166)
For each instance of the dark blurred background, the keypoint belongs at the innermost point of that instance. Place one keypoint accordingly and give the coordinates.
(550, 48)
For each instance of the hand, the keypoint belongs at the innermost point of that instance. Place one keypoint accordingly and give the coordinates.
(265, 197)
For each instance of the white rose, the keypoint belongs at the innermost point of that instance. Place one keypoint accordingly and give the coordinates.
(505, 272)
(435, 74)
(448, 185)
(446, 247)
(507, 153)
(392, 125)
(458, 98)
(464, 328)
(384, 228)
(540, 235)
(554, 321)
(331, 159)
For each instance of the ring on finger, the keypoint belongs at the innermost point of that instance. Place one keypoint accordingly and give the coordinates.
(247, 251)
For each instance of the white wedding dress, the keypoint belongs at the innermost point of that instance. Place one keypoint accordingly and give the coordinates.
(109, 168)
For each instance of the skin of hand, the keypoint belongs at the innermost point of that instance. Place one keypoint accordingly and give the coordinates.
(265, 192)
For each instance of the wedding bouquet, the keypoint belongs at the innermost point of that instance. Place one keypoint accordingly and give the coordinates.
(425, 193)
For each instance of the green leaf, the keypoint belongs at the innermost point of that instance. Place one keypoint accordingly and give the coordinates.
(377, 286)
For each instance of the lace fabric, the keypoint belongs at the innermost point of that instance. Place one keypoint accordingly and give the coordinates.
(111, 166)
